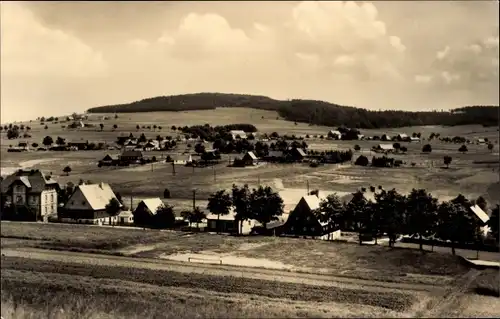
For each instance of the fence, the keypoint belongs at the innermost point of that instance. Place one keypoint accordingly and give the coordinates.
(205, 259)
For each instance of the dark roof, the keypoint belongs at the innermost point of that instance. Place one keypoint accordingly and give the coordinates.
(35, 180)
(78, 142)
(132, 154)
(275, 154)
(110, 157)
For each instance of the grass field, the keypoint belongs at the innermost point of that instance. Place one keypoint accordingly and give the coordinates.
(462, 177)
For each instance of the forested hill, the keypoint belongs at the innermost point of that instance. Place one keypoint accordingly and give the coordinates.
(309, 111)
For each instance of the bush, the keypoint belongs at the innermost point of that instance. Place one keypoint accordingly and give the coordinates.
(362, 161)
(427, 148)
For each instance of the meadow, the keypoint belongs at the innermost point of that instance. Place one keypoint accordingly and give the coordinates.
(463, 176)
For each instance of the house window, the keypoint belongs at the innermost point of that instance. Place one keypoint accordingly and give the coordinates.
(52, 197)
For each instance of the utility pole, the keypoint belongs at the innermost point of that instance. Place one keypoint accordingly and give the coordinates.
(131, 202)
(194, 199)
(173, 168)
(258, 180)
(307, 187)
(215, 178)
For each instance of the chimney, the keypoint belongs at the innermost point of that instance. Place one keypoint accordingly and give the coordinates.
(101, 185)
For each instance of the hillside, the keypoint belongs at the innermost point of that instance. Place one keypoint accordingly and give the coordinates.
(309, 111)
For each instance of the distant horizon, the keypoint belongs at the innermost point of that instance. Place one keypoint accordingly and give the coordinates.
(194, 93)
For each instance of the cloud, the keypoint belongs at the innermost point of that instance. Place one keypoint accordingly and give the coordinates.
(33, 50)
(468, 65)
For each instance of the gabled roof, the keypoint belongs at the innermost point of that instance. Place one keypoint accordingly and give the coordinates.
(402, 135)
(132, 153)
(312, 201)
(96, 195)
(152, 204)
(238, 132)
(252, 155)
(110, 157)
(480, 213)
(301, 152)
(334, 132)
(35, 180)
(386, 146)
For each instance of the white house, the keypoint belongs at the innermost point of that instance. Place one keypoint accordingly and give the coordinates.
(334, 134)
(32, 190)
(383, 148)
(236, 134)
(88, 204)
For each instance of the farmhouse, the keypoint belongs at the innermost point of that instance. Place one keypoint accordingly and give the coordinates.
(385, 137)
(334, 134)
(88, 204)
(402, 137)
(30, 190)
(237, 134)
(183, 160)
(228, 224)
(414, 139)
(131, 156)
(302, 221)
(23, 146)
(80, 145)
(125, 218)
(481, 141)
(361, 137)
(109, 160)
(146, 209)
(152, 145)
(250, 159)
(297, 154)
(383, 148)
(274, 156)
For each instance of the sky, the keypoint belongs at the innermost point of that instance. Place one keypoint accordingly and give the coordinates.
(67, 56)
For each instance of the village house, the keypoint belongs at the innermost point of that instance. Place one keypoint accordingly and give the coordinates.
(402, 137)
(183, 159)
(297, 154)
(80, 145)
(303, 221)
(482, 217)
(414, 139)
(126, 218)
(131, 156)
(228, 224)
(361, 137)
(481, 141)
(31, 190)
(383, 148)
(146, 209)
(334, 134)
(23, 146)
(238, 134)
(385, 138)
(274, 156)
(250, 159)
(109, 160)
(87, 205)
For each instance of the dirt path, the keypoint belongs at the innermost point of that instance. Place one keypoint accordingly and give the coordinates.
(215, 270)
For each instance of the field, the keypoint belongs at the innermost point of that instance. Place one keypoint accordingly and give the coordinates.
(463, 176)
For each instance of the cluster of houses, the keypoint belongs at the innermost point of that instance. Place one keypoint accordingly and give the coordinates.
(34, 191)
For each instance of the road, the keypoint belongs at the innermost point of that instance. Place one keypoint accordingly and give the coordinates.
(214, 270)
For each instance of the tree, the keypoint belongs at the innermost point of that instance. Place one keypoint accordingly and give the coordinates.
(404, 149)
(113, 207)
(427, 148)
(389, 214)
(241, 203)
(396, 146)
(137, 127)
(463, 149)
(67, 170)
(447, 160)
(493, 223)
(456, 224)
(102, 126)
(357, 211)
(164, 217)
(362, 161)
(357, 147)
(421, 214)
(166, 193)
(490, 147)
(196, 216)
(219, 203)
(199, 148)
(47, 141)
(332, 210)
(60, 141)
(266, 205)
(34, 145)
(12, 134)
(46, 127)
(173, 128)
(115, 127)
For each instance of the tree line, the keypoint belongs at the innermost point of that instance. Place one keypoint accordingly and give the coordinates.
(310, 111)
